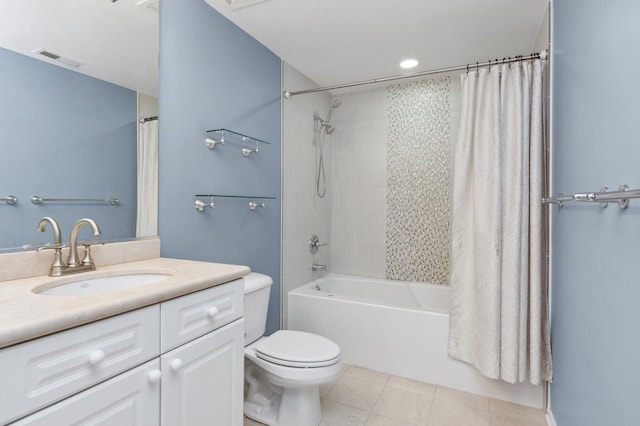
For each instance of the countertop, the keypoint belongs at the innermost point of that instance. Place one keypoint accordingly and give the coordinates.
(25, 315)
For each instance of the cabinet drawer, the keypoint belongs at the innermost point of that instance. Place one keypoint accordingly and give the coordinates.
(191, 316)
(48, 369)
(131, 398)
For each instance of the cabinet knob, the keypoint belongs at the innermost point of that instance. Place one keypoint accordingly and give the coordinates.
(154, 376)
(96, 357)
(176, 364)
(212, 312)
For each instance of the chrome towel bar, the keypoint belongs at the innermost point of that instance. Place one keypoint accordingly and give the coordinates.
(604, 197)
(36, 199)
(10, 199)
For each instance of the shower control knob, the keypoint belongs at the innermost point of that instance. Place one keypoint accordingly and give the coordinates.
(314, 244)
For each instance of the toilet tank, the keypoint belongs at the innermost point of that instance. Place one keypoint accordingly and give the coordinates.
(256, 302)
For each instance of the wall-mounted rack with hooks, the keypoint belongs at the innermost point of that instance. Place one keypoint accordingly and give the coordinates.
(604, 197)
(12, 200)
(36, 199)
(254, 203)
(222, 136)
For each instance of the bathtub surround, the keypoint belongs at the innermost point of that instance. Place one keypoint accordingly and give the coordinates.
(418, 181)
(302, 216)
(214, 75)
(499, 312)
(359, 172)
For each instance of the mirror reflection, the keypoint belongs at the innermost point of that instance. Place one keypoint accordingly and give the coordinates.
(77, 77)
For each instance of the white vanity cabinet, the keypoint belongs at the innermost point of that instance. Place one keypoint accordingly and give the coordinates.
(177, 363)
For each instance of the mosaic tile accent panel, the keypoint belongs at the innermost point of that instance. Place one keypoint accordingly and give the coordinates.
(418, 181)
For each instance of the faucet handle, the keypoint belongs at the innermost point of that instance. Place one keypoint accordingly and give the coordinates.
(58, 265)
(47, 247)
(87, 260)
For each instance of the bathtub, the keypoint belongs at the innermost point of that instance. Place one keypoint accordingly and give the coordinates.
(395, 327)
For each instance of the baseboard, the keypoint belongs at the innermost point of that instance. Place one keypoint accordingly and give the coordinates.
(549, 418)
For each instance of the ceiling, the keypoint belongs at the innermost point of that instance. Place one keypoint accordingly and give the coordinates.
(341, 41)
(113, 41)
(331, 41)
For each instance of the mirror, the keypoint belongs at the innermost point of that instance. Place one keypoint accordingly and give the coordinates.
(76, 76)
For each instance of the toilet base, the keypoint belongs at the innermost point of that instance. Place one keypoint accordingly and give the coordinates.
(294, 407)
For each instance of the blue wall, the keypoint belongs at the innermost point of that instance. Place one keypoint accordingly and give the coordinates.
(64, 135)
(596, 279)
(213, 75)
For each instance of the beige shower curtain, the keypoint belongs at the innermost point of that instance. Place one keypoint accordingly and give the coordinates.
(147, 213)
(499, 313)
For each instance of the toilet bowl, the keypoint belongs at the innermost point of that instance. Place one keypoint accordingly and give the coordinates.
(283, 371)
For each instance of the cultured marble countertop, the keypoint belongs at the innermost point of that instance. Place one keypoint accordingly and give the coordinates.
(25, 315)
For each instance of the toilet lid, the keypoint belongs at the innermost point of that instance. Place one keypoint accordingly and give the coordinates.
(298, 349)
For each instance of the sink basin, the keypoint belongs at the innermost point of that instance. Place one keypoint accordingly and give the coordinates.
(80, 286)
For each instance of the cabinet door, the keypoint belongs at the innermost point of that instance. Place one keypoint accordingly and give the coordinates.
(202, 381)
(131, 399)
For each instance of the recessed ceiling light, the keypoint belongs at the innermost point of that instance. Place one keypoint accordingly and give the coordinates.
(409, 63)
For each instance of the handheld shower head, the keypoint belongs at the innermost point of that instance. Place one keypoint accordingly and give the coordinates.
(336, 103)
(328, 128)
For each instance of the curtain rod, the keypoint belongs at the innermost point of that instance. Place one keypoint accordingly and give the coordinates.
(540, 55)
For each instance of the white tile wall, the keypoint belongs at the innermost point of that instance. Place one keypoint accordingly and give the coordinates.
(302, 214)
(359, 171)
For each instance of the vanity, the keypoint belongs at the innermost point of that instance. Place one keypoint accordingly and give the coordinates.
(168, 352)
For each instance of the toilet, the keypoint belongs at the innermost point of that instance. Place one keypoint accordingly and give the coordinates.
(282, 372)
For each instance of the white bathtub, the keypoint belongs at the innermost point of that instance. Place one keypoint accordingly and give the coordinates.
(396, 327)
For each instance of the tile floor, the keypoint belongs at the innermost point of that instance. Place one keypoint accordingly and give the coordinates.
(362, 397)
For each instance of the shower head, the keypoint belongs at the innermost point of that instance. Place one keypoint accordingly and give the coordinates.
(324, 124)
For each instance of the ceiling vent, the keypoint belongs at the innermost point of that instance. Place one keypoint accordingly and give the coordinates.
(237, 4)
(66, 61)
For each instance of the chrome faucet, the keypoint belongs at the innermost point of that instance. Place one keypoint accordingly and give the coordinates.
(87, 263)
(317, 267)
(59, 268)
(54, 225)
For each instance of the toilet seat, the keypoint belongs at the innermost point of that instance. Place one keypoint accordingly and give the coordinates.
(299, 349)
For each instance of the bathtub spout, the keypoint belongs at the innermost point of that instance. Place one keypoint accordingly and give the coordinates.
(317, 267)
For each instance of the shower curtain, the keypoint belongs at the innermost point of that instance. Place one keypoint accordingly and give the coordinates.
(147, 212)
(499, 313)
